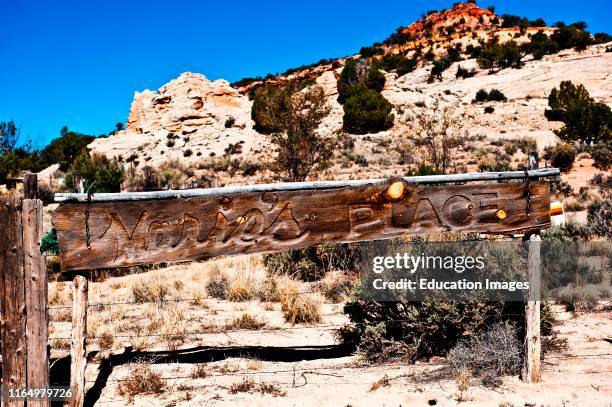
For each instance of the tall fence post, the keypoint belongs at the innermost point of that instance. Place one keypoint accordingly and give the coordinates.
(532, 372)
(78, 355)
(36, 299)
(531, 364)
(12, 272)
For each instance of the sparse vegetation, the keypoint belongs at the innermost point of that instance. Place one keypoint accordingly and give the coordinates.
(141, 380)
(586, 121)
(98, 173)
(245, 321)
(439, 131)
(493, 95)
(599, 218)
(366, 111)
(561, 156)
(300, 308)
(292, 116)
(151, 290)
(490, 354)
(218, 284)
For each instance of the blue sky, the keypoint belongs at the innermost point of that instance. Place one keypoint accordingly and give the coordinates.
(78, 64)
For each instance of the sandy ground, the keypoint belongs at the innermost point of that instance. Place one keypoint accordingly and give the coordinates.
(581, 376)
(573, 381)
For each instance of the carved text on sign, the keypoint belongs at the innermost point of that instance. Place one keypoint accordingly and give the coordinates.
(117, 234)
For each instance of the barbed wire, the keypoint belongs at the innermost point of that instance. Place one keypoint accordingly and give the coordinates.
(108, 304)
(219, 329)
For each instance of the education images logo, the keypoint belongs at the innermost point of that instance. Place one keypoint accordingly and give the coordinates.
(423, 268)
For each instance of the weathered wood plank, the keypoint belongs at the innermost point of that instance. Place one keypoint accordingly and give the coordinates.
(37, 374)
(116, 234)
(78, 356)
(295, 186)
(13, 298)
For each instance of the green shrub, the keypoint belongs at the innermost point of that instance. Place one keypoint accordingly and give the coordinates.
(248, 168)
(419, 330)
(510, 148)
(267, 98)
(602, 155)
(423, 169)
(407, 65)
(586, 121)
(368, 52)
(49, 243)
(464, 73)
(494, 95)
(489, 109)
(481, 96)
(366, 111)
(356, 72)
(376, 80)
(311, 264)
(98, 173)
(561, 156)
(599, 217)
(495, 56)
(361, 160)
(65, 149)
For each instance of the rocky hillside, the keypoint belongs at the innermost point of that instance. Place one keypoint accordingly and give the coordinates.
(192, 118)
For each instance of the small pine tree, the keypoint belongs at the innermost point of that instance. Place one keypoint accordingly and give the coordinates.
(98, 172)
(366, 111)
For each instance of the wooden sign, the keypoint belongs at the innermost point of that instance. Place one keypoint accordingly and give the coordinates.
(117, 234)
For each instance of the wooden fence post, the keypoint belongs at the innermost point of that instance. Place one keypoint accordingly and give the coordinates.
(13, 296)
(30, 186)
(78, 354)
(531, 364)
(37, 321)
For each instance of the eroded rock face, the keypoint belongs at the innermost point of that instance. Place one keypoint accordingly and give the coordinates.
(188, 113)
(185, 103)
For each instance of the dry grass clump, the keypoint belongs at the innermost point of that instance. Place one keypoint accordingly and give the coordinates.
(140, 343)
(268, 291)
(243, 287)
(218, 284)
(60, 344)
(244, 386)
(141, 380)
(577, 299)
(488, 355)
(228, 367)
(200, 372)
(337, 286)
(271, 388)
(245, 321)
(106, 341)
(382, 382)
(298, 308)
(247, 385)
(173, 327)
(150, 290)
